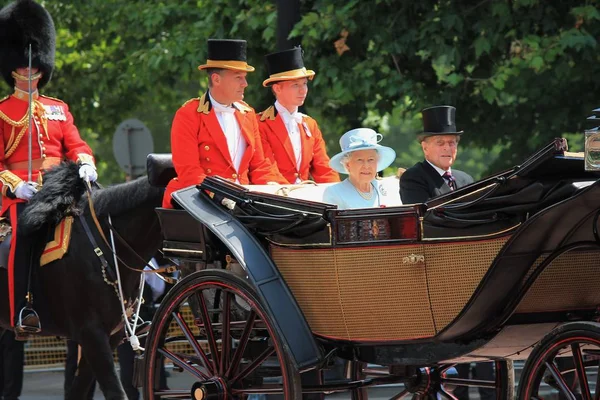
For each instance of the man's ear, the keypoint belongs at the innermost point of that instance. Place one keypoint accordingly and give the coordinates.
(276, 87)
(216, 78)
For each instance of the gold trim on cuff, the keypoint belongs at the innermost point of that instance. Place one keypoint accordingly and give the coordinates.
(86, 159)
(10, 180)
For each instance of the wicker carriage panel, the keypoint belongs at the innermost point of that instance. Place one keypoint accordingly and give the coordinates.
(384, 293)
(312, 277)
(361, 293)
(570, 282)
(454, 270)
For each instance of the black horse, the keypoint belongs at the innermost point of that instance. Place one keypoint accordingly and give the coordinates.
(72, 295)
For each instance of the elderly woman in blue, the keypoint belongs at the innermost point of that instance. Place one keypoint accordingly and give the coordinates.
(361, 158)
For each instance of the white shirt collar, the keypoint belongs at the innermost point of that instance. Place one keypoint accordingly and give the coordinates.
(286, 115)
(438, 169)
(218, 106)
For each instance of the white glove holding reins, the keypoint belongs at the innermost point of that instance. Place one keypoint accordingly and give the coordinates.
(26, 190)
(88, 173)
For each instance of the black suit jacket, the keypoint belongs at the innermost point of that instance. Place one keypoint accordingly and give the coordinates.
(422, 182)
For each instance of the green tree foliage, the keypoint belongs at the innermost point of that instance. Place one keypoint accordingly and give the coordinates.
(519, 71)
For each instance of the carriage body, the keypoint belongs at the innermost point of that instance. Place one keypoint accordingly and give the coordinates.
(482, 273)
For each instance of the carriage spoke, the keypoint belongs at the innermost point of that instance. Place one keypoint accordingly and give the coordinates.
(241, 348)
(210, 335)
(580, 367)
(560, 380)
(225, 334)
(259, 360)
(182, 364)
(192, 340)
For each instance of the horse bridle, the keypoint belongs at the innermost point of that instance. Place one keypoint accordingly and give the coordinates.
(153, 270)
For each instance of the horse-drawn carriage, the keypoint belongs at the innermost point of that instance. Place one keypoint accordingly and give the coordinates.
(279, 287)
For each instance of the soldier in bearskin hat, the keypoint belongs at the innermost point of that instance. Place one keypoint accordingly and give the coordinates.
(434, 176)
(292, 140)
(217, 134)
(25, 25)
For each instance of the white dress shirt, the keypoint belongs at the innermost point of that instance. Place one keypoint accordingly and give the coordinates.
(291, 122)
(439, 170)
(231, 129)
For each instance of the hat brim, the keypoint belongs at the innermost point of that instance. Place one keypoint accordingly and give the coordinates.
(289, 76)
(421, 136)
(231, 65)
(387, 156)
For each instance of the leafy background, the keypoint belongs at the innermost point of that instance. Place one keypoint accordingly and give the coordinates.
(520, 72)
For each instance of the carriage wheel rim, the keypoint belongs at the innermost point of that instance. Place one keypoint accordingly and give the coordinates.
(541, 366)
(217, 372)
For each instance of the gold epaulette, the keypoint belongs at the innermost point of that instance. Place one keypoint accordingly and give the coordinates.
(204, 106)
(52, 98)
(269, 113)
(243, 107)
(189, 101)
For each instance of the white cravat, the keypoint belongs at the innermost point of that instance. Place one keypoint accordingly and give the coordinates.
(291, 122)
(231, 129)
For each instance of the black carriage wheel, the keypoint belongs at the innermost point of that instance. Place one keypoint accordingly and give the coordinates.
(503, 383)
(435, 383)
(227, 349)
(564, 364)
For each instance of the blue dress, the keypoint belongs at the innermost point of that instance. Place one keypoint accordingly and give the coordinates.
(345, 195)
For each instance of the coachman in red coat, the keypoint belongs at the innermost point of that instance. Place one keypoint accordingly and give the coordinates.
(292, 140)
(217, 134)
(54, 135)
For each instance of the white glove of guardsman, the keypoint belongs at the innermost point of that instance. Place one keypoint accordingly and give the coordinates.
(26, 190)
(88, 173)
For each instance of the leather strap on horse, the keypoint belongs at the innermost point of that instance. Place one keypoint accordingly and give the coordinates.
(168, 269)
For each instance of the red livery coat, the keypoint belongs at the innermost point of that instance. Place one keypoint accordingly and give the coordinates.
(199, 148)
(278, 149)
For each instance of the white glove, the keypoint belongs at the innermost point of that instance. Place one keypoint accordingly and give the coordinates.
(26, 190)
(88, 173)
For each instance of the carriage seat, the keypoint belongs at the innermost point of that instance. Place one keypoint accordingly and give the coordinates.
(314, 192)
(160, 169)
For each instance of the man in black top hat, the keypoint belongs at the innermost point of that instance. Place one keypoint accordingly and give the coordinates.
(434, 176)
(217, 134)
(292, 140)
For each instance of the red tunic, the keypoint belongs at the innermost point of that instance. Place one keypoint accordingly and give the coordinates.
(200, 149)
(54, 138)
(278, 149)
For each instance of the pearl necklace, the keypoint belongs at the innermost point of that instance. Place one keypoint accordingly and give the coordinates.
(366, 196)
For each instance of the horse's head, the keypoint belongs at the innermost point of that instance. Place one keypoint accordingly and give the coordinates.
(131, 208)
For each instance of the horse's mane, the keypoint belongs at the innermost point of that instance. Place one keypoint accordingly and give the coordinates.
(63, 194)
(124, 197)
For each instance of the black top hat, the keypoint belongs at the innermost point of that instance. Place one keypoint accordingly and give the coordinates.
(227, 54)
(25, 22)
(286, 65)
(438, 120)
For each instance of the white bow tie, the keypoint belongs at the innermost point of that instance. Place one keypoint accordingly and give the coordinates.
(223, 109)
(296, 117)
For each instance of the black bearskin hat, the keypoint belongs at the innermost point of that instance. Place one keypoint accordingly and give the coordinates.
(21, 23)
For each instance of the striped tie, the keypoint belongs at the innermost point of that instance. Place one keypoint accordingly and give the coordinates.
(450, 180)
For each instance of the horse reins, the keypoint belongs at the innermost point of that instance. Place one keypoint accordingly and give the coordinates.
(159, 270)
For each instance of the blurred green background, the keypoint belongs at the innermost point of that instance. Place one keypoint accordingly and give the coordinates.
(520, 72)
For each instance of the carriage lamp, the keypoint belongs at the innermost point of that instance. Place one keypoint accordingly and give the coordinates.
(592, 149)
